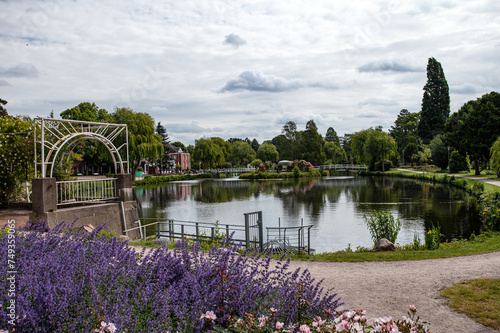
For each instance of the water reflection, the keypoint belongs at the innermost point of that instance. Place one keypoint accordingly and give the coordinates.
(335, 206)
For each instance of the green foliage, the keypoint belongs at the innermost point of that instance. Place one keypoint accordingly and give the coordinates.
(405, 133)
(3, 111)
(490, 205)
(331, 136)
(311, 145)
(435, 103)
(142, 140)
(433, 238)
(148, 180)
(475, 127)
(334, 153)
(371, 145)
(296, 171)
(387, 165)
(243, 153)
(16, 156)
(458, 162)
(256, 162)
(382, 224)
(288, 149)
(495, 157)
(209, 153)
(268, 152)
(439, 152)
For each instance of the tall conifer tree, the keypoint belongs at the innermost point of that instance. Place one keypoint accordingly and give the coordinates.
(435, 103)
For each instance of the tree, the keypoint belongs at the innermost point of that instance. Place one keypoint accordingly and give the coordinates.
(290, 132)
(208, 153)
(255, 145)
(439, 152)
(473, 129)
(331, 136)
(225, 147)
(268, 152)
(334, 153)
(405, 130)
(3, 111)
(311, 144)
(435, 103)
(379, 147)
(162, 131)
(458, 162)
(143, 143)
(87, 112)
(495, 157)
(369, 146)
(180, 145)
(243, 153)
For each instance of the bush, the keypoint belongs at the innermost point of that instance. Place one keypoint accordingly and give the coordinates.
(382, 224)
(72, 282)
(296, 172)
(458, 162)
(490, 204)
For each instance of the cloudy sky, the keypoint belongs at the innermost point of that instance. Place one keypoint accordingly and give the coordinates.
(244, 68)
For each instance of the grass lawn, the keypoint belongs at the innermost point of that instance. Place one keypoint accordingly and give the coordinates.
(479, 299)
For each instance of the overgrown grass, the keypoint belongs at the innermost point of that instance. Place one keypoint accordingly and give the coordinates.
(479, 299)
(484, 243)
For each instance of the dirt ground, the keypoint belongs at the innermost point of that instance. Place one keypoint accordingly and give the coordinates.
(388, 288)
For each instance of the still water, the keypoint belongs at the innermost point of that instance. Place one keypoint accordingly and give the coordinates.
(334, 206)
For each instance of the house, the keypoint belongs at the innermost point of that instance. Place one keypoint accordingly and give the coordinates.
(180, 160)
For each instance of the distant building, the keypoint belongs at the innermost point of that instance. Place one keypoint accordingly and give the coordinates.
(178, 158)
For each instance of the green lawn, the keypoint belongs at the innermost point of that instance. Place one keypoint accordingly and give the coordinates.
(479, 299)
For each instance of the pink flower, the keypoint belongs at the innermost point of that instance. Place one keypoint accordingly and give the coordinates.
(413, 308)
(279, 325)
(209, 315)
(304, 329)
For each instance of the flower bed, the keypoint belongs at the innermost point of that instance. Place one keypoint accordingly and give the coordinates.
(76, 282)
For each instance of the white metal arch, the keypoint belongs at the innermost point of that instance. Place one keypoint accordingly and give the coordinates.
(58, 133)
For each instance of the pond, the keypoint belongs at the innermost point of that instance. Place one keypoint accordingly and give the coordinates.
(335, 206)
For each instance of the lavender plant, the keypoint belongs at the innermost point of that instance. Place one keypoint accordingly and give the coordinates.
(79, 282)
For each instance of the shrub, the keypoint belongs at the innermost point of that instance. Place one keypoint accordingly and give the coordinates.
(458, 162)
(296, 172)
(490, 204)
(75, 281)
(382, 224)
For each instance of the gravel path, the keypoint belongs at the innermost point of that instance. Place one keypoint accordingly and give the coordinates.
(388, 288)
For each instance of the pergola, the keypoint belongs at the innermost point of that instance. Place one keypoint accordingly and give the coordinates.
(60, 136)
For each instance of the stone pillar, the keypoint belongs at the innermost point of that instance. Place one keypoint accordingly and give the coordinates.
(124, 187)
(126, 194)
(44, 197)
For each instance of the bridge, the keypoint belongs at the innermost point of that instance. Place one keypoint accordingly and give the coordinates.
(346, 167)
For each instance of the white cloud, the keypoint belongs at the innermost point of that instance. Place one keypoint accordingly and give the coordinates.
(19, 70)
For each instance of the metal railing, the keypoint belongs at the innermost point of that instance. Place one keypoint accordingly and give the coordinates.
(200, 232)
(87, 190)
(342, 167)
(292, 240)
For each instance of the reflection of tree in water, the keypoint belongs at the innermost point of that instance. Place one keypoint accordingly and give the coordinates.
(451, 207)
(225, 191)
(312, 194)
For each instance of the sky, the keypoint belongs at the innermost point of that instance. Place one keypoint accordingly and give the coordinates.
(236, 69)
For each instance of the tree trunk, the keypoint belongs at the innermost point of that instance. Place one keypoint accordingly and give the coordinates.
(476, 167)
